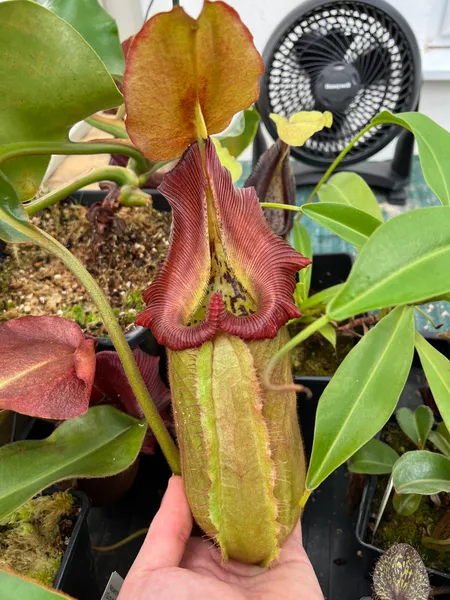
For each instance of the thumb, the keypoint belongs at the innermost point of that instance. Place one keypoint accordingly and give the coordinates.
(169, 532)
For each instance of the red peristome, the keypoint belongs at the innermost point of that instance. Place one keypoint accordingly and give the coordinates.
(47, 367)
(111, 386)
(254, 255)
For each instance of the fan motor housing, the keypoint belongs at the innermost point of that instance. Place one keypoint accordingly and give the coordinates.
(336, 86)
(353, 58)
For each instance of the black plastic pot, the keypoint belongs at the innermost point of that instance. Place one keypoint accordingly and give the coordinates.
(363, 536)
(76, 575)
(327, 270)
(90, 197)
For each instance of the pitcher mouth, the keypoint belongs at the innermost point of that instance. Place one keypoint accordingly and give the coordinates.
(225, 270)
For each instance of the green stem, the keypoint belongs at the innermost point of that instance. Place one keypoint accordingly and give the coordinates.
(175, 3)
(122, 542)
(335, 163)
(295, 341)
(155, 167)
(113, 126)
(45, 241)
(427, 317)
(119, 175)
(41, 148)
(281, 206)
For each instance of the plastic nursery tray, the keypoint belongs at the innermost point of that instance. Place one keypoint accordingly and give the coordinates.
(76, 575)
(437, 578)
(327, 525)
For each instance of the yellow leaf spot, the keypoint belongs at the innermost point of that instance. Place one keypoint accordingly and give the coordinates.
(301, 126)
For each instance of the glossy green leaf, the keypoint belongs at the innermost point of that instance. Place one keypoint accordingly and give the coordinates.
(236, 138)
(329, 333)
(441, 442)
(374, 458)
(403, 262)
(421, 472)
(14, 587)
(102, 442)
(351, 224)
(97, 27)
(11, 211)
(50, 79)
(351, 189)
(433, 143)
(437, 372)
(322, 297)
(301, 241)
(362, 394)
(406, 504)
(416, 424)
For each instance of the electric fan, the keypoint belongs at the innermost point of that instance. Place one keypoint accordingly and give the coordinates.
(353, 58)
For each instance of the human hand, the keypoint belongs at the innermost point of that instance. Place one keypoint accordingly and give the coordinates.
(171, 565)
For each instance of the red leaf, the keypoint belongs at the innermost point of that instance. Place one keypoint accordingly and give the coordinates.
(47, 367)
(111, 386)
(252, 296)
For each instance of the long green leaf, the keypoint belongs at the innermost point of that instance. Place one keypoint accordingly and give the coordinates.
(362, 394)
(437, 372)
(433, 143)
(14, 587)
(403, 262)
(50, 78)
(351, 224)
(350, 188)
(441, 443)
(301, 241)
(102, 442)
(442, 430)
(97, 27)
(421, 472)
(322, 297)
(374, 458)
(11, 210)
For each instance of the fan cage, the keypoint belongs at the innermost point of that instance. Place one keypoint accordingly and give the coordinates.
(287, 86)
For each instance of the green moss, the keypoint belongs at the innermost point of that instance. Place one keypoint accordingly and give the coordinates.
(134, 300)
(395, 528)
(33, 538)
(316, 356)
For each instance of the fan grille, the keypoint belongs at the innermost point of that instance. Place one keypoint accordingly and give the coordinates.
(346, 33)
